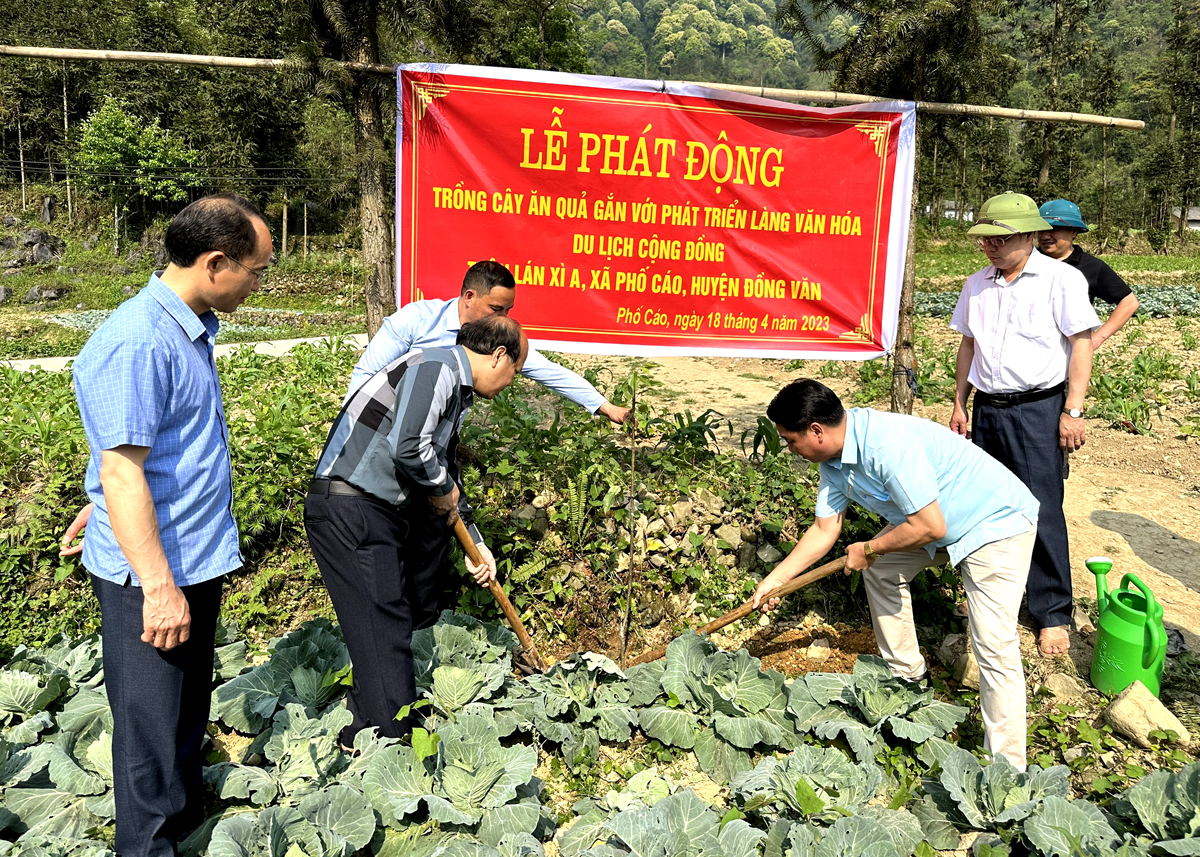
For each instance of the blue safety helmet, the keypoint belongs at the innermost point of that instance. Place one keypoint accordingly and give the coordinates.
(1061, 212)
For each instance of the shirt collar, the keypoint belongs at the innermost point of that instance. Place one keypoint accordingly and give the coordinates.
(452, 322)
(464, 367)
(1036, 265)
(194, 326)
(850, 447)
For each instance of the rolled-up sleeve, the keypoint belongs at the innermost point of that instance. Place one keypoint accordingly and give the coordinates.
(831, 496)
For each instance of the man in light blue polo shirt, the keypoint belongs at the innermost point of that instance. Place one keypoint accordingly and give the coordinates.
(945, 500)
(162, 534)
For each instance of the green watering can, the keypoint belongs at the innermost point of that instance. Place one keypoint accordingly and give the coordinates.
(1131, 642)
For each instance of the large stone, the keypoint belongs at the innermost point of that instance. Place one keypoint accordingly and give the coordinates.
(10, 221)
(47, 209)
(966, 670)
(951, 649)
(1081, 620)
(768, 554)
(651, 613)
(710, 501)
(818, 652)
(731, 534)
(8, 242)
(1136, 712)
(682, 510)
(52, 294)
(745, 560)
(526, 514)
(40, 254)
(32, 296)
(5, 294)
(33, 236)
(1064, 687)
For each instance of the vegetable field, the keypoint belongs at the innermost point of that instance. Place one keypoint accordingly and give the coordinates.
(741, 745)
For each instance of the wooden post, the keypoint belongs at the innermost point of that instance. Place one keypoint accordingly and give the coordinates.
(902, 352)
(283, 245)
(21, 155)
(67, 143)
(304, 246)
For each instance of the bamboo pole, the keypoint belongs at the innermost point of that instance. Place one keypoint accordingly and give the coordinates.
(175, 59)
(793, 95)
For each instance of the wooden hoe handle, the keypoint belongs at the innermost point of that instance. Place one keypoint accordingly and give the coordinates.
(510, 613)
(818, 573)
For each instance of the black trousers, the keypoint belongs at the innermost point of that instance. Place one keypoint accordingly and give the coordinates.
(384, 567)
(160, 703)
(1024, 438)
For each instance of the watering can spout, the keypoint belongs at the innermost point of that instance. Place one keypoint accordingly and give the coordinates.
(1100, 566)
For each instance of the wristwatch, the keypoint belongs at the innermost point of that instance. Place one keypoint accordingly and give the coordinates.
(869, 552)
(1073, 413)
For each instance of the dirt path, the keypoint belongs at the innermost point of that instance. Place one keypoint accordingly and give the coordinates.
(1135, 499)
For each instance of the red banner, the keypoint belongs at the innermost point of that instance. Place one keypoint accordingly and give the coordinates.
(644, 218)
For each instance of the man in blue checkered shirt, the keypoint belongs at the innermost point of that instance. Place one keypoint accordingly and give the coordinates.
(385, 493)
(162, 534)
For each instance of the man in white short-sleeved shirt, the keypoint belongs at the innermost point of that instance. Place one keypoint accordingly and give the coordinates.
(1026, 325)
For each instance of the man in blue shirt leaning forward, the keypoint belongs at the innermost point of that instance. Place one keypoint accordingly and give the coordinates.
(488, 289)
(945, 499)
(162, 533)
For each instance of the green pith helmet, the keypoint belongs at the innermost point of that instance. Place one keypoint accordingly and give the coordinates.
(1061, 212)
(1008, 214)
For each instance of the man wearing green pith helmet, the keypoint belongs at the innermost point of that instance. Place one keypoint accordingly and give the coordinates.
(1026, 325)
(1104, 283)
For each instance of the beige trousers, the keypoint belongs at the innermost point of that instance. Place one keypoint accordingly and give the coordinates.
(994, 579)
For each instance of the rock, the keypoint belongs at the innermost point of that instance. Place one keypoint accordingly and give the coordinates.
(47, 209)
(1072, 753)
(1081, 620)
(1064, 687)
(541, 525)
(128, 291)
(812, 619)
(8, 242)
(681, 603)
(768, 554)
(652, 613)
(33, 236)
(745, 559)
(731, 534)
(121, 271)
(818, 652)
(32, 296)
(89, 244)
(951, 649)
(966, 670)
(526, 514)
(710, 501)
(658, 560)
(749, 534)
(52, 294)
(1136, 712)
(10, 221)
(658, 525)
(1176, 644)
(41, 253)
(5, 294)
(135, 256)
(682, 510)
(728, 561)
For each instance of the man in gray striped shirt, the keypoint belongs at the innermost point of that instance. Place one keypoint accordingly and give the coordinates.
(379, 510)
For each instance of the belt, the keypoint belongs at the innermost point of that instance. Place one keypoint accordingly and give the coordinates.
(1008, 400)
(326, 487)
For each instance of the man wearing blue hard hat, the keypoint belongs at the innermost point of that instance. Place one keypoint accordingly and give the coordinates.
(1103, 282)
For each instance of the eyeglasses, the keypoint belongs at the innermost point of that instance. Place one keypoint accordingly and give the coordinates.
(259, 274)
(994, 242)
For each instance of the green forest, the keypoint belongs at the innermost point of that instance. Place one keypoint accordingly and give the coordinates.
(125, 144)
